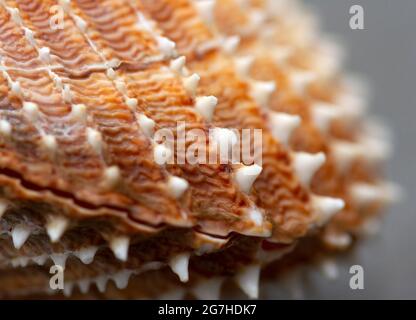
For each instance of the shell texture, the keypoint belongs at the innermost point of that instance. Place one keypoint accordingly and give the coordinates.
(85, 181)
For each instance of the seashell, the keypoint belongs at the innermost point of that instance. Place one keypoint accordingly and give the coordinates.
(89, 180)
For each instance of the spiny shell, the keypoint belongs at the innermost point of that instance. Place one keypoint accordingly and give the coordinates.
(83, 178)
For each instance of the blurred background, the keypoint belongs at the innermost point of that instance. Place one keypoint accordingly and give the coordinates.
(385, 54)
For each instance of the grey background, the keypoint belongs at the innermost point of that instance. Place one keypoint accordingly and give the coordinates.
(385, 53)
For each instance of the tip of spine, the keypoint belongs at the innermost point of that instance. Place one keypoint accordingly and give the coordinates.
(208, 289)
(112, 176)
(230, 44)
(45, 54)
(20, 234)
(66, 93)
(246, 175)
(31, 109)
(301, 79)
(16, 88)
(283, 125)
(345, 153)
(3, 207)
(59, 259)
(120, 247)
(178, 64)
(206, 9)
(49, 142)
(29, 36)
(84, 285)
(56, 227)
(281, 54)
(366, 194)
(161, 154)
(146, 124)
(68, 288)
(101, 283)
(329, 269)
(325, 208)
(261, 91)
(206, 106)
(338, 240)
(132, 103)
(177, 186)
(224, 137)
(166, 46)
(5, 128)
(79, 112)
(323, 114)
(14, 12)
(179, 265)
(80, 23)
(121, 279)
(248, 280)
(94, 139)
(111, 74)
(243, 65)
(191, 84)
(307, 164)
(66, 4)
(86, 255)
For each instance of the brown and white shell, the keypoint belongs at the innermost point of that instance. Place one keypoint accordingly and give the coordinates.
(81, 184)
